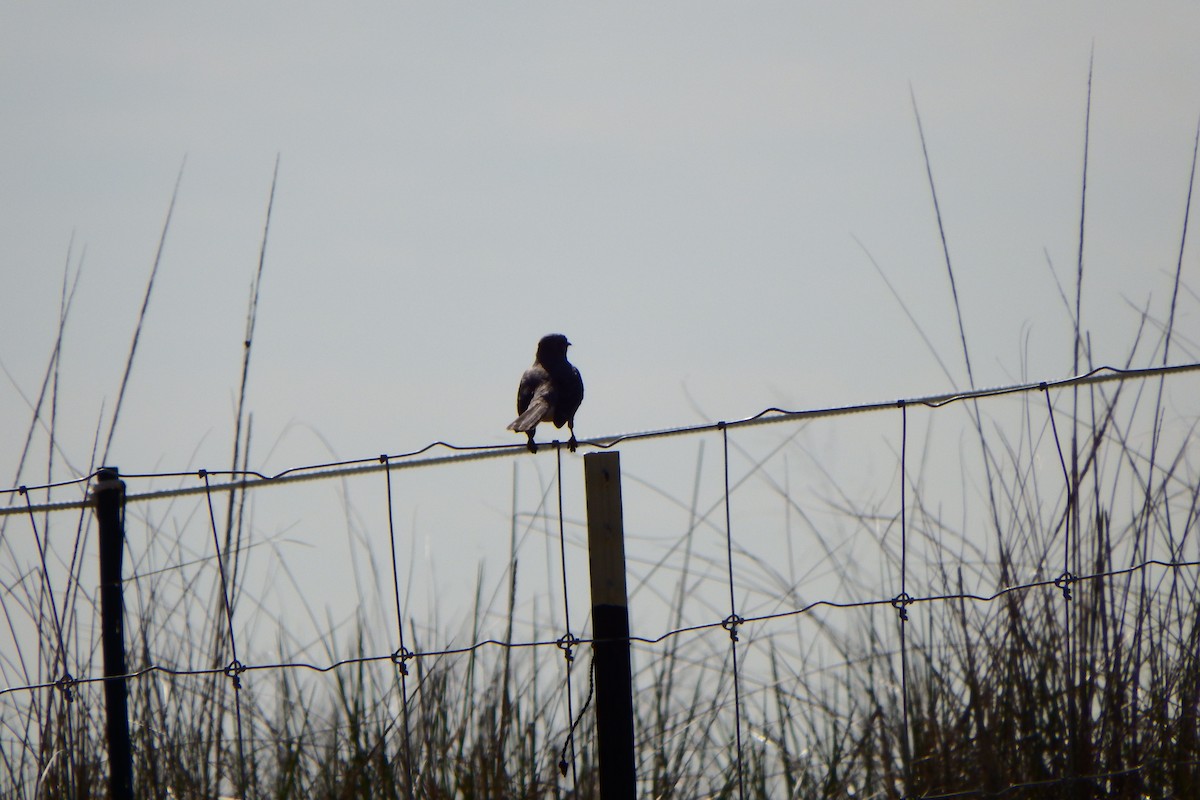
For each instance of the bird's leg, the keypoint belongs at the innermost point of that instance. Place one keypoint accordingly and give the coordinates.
(572, 443)
(532, 445)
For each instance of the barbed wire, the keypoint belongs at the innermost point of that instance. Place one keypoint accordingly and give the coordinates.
(253, 479)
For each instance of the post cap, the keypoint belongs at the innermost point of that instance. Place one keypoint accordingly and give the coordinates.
(108, 478)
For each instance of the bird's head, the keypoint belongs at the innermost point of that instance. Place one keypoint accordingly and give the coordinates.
(552, 347)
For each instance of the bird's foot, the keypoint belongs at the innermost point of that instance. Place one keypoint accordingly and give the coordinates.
(532, 445)
(572, 443)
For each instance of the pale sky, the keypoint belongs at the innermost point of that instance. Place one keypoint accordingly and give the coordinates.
(676, 187)
(681, 188)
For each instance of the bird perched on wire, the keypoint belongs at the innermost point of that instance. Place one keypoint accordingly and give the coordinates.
(550, 391)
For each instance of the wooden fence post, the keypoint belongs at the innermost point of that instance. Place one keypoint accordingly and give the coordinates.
(610, 626)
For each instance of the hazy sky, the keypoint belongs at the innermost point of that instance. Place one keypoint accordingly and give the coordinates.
(678, 187)
(687, 190)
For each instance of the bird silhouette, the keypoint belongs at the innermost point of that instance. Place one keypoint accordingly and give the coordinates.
(550, 391)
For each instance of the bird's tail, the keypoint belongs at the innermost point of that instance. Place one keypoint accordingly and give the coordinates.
(530, 418)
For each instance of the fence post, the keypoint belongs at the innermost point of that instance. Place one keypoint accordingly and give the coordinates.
(109, 496)
(610, 626)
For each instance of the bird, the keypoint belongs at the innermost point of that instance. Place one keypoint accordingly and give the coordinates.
(550, 391)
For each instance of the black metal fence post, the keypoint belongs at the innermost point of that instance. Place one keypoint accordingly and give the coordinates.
(109, 496)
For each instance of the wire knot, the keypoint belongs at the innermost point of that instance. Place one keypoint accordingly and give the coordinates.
(202, 474)
(22, 491)
(901, 602)
(731, 624)
(1064, 582)
(66, 685)
(1043, 386)
(566, 642)
(234, 672)
(383, 459)
(901, 403)
(401, 657)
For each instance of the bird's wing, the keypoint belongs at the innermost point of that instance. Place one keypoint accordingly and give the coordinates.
(533, 399)
(568, 397)
(539, 408)
(533, 378)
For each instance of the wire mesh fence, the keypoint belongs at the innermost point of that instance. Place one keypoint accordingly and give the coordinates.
(989, 593)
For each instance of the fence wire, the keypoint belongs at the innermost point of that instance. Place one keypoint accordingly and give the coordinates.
(731, 625)
(241, 480)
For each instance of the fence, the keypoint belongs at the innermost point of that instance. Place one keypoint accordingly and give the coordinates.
(1044, 643)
